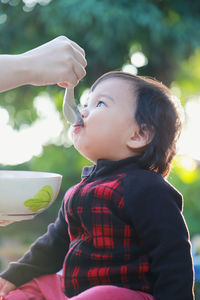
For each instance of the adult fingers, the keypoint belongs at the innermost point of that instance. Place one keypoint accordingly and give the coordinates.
(76, 73)
(79, 57)
(6, 287)
(79, 71)
(67, 41)
(73, 77)
(63, 84)
(67, 85)
(77, 47)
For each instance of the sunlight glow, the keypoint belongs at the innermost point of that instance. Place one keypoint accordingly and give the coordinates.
(4, 117)
(19, 146)
(189, 143)
(84, 97)
(188, 163)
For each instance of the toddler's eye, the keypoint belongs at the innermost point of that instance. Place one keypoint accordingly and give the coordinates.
(100, 104)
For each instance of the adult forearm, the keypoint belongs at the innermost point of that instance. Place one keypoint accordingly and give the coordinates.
(13, 71)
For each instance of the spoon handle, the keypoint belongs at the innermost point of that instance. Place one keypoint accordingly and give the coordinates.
(69, 97)
(70, 109)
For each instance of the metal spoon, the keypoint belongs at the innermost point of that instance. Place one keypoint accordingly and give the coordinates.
(70, 109)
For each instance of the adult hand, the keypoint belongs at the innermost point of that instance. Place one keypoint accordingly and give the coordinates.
(6, 287)
(60, 61)
(5, 222)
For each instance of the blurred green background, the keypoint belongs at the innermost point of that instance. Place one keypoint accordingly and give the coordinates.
(158, 38)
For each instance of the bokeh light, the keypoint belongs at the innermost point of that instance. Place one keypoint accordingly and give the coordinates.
(138, 59)
(130, 69)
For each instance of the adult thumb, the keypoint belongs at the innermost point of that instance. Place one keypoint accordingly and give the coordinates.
(63, 85)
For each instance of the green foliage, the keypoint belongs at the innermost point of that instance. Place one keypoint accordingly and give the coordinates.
(188, 183)
(197, 290)
(188, 76)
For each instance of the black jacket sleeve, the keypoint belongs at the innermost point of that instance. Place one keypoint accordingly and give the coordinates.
(155, 210)
(45, 256)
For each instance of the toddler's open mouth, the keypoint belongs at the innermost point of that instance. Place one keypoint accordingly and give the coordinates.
(77, 127)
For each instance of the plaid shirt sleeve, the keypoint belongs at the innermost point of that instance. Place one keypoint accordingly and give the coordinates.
(155, 210)
(45, 256)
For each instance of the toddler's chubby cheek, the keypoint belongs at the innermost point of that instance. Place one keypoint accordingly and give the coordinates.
(70, 134)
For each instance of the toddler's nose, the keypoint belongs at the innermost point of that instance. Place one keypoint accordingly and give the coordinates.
(84, 113)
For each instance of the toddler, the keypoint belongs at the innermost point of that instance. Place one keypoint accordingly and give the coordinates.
(120, 233)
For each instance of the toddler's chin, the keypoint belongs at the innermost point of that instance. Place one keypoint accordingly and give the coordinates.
(84, 153)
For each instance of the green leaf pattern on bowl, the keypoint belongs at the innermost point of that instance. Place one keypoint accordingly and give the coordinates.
(41, 199)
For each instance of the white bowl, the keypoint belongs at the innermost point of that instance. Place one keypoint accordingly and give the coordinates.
(24, 194)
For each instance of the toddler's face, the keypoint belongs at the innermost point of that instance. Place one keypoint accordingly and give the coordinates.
(108, 122)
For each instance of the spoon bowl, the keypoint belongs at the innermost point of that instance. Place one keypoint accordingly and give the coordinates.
(70, 109)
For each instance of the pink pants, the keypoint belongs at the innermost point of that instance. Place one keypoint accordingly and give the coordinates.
(49, 288)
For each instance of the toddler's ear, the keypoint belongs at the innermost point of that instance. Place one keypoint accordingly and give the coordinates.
(140, 138)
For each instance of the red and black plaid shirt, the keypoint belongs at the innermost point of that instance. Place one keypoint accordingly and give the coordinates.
(121, 225)
(105, 247)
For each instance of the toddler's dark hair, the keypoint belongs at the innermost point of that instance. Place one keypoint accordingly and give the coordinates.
(161, 114)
